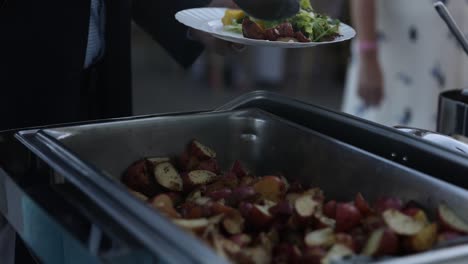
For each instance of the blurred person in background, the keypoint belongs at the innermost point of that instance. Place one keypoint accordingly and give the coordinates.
(403, 57)
(68, 61)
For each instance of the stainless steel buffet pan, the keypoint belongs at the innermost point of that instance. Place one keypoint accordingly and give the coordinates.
(94, 156)
(389, 143)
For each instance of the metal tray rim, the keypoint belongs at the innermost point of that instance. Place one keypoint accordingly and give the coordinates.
(57, 146)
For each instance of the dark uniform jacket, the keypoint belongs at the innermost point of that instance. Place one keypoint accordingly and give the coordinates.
(42, 52)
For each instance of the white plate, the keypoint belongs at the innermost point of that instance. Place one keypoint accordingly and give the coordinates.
(209, 20)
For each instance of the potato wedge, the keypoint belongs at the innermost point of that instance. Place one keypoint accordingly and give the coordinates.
(168, 177)
(320, 238)
(138, 177)
(305, 206)
(381, 242)
(423, 240)
(233, 223)
(321, 221)
(200, 177)
(450, 220)
(337, 252)
(347, 240)
(270, 188)
(401, 223)
(201, 151)
(163, 203)
(192, 224)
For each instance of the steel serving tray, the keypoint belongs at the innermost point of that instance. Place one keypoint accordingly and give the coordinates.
(94, 156)
(408, 150)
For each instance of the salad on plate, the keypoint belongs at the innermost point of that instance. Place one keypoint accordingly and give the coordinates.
(306, 26)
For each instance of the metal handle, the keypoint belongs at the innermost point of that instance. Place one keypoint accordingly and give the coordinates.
(454, 28)
(151, 229)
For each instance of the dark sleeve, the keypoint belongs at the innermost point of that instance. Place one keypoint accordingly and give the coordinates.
(157, 17)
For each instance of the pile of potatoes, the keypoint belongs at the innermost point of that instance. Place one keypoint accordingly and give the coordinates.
(252, 219)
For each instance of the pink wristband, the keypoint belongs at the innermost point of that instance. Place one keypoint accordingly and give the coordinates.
(365, 46)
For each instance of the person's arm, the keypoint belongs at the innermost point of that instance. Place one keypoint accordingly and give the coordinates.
(364, 19)
(157, 18)
(370, 76)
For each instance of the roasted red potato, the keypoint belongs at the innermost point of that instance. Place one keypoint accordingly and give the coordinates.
(329, 209)
(252, 30)
(384, 203)
(347, 216)
(423, 240)
(242, 194)
(233, 223)
(313, 255)
(362, 204)
(238, 169)
(242, 239)
(450, 221)
(219, 194)
(209, 165)
(198, 177)
(187, 162)
(164, 204)
(320, 238)
(401, 223)
(347, 240)
(201, 151)
(305, 206)
(259, 216)
(139, 178)
(167, 176)
(270, 188)
(381, 242)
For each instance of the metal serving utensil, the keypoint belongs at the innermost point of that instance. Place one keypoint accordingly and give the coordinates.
(269, 9)
(437, 138)
(454, 28)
